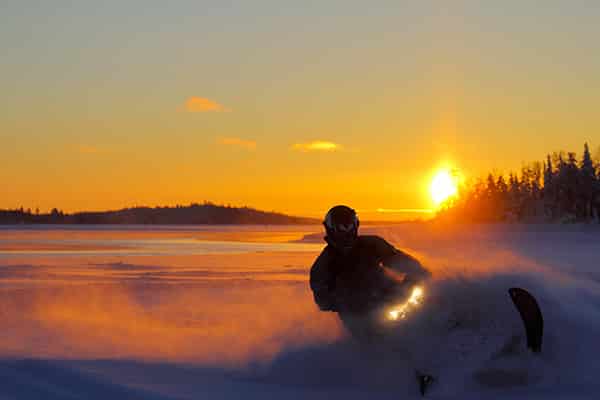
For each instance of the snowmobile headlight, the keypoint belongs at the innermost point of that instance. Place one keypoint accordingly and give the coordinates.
(400, 311)
(416, 296)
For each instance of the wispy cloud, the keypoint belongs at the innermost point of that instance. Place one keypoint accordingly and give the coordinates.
(85, 149)
(201, 104)
(317, 145)
(234, 141)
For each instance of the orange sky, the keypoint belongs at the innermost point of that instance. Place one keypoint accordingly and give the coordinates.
(285, 109)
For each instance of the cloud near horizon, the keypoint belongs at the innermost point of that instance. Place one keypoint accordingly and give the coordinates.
(237, 142)
(317, 145)
(200, 104)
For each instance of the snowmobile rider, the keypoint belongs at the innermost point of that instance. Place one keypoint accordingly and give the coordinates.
(356, 274)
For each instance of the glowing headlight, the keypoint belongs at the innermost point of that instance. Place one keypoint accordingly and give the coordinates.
(400, 311)
(416, 296)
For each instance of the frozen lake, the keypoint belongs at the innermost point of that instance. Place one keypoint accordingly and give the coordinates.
(226, 312)
(142, 240)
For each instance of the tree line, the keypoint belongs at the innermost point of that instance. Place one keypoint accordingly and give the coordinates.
(558, 189)
(206, 213)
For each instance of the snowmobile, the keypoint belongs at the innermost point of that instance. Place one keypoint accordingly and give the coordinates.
(385, 296)
(379, 320)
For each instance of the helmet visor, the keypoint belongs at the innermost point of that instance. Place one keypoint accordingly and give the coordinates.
(343, 237)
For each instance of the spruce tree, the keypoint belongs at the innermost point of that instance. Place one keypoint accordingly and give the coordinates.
(587, 183)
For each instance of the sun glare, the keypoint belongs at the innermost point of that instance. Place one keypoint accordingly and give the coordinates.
(443, 186)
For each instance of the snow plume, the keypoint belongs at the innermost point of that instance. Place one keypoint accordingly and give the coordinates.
(468, 332)
(224, 318)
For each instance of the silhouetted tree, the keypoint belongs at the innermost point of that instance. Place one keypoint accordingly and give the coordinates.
(586, 183)
(194, 214)
(549, 192)
(559, 189)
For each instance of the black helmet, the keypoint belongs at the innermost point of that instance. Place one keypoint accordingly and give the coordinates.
(341, 225)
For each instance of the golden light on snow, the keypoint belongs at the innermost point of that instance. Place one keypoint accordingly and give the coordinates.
(400, 311)
(443, 186)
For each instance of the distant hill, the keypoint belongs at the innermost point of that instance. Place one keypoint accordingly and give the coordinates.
(194, 214)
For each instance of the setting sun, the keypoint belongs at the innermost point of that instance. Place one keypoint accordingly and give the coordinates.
(443, 186)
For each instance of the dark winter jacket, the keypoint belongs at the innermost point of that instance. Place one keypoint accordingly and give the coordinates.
(370, 272)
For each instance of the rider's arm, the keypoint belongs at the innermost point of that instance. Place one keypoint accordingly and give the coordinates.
(401, 263)
(408, 265)
(322, 280)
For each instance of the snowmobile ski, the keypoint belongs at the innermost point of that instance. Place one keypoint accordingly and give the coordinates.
(425, 380)
(531, 315)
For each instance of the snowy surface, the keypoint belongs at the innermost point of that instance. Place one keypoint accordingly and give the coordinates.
(201, 313)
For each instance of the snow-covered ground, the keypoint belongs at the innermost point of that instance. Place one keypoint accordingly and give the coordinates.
(226, 313)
